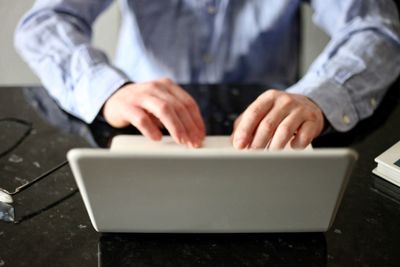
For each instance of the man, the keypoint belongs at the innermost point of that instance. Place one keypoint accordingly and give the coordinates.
(192, 41)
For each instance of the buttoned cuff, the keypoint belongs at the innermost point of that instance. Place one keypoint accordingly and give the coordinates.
(94, 88)
(332, 98)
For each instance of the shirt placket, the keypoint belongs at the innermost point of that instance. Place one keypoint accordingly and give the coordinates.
(208, 12)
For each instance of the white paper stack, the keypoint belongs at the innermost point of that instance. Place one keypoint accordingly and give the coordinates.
(389, 164)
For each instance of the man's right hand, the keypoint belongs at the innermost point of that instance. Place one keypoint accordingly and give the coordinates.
(146, 105)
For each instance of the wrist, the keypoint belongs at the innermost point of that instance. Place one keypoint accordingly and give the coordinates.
(106, 103)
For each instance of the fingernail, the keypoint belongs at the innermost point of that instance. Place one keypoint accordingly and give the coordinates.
(197, 144)
(190, 143)
(197, 139)
(183, 140)
(239, 143)
(193, 144)
(158, 137)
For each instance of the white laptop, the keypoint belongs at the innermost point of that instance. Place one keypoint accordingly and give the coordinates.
(144, 186)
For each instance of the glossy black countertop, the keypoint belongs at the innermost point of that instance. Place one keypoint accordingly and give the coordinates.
(52, 227)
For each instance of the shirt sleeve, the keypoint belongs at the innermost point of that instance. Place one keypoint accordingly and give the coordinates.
(350, 77)
(54, 38)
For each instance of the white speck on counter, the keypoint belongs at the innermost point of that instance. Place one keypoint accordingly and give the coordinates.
(371, 221)
(337, 231)
(36, 164)
(2, 263)
(20, 180)
(15, 159)
(82, 226)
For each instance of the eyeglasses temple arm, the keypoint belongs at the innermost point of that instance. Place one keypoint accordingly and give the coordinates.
(40, 177)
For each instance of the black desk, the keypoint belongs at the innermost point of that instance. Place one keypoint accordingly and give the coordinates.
(54, 228)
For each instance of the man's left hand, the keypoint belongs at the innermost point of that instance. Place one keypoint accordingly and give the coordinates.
(276, 118)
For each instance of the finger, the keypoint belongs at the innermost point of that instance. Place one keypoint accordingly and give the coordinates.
(168, 117)
(270, 122)
(265, 131)
(237, 121)
(192, 108)
(156, 121)
(235, 124)
(252, 116)
(268, 125)
(195, 137)
(142, 121)
(194, 120)
(305, 134)
(286, 130)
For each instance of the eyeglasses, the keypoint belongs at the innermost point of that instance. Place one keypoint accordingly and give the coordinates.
(25, 134)
(6, 197)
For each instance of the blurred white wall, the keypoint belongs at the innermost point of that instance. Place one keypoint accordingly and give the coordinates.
(314, 40)
(13, 71)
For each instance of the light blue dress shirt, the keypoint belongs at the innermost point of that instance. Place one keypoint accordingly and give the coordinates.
(225, 41)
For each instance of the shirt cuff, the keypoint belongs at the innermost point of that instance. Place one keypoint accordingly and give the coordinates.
(332, 98)
(94, 88)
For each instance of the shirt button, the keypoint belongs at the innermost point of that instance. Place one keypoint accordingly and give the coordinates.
(346, 119)
(207, 58)
(372, 102)
(211, 9)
